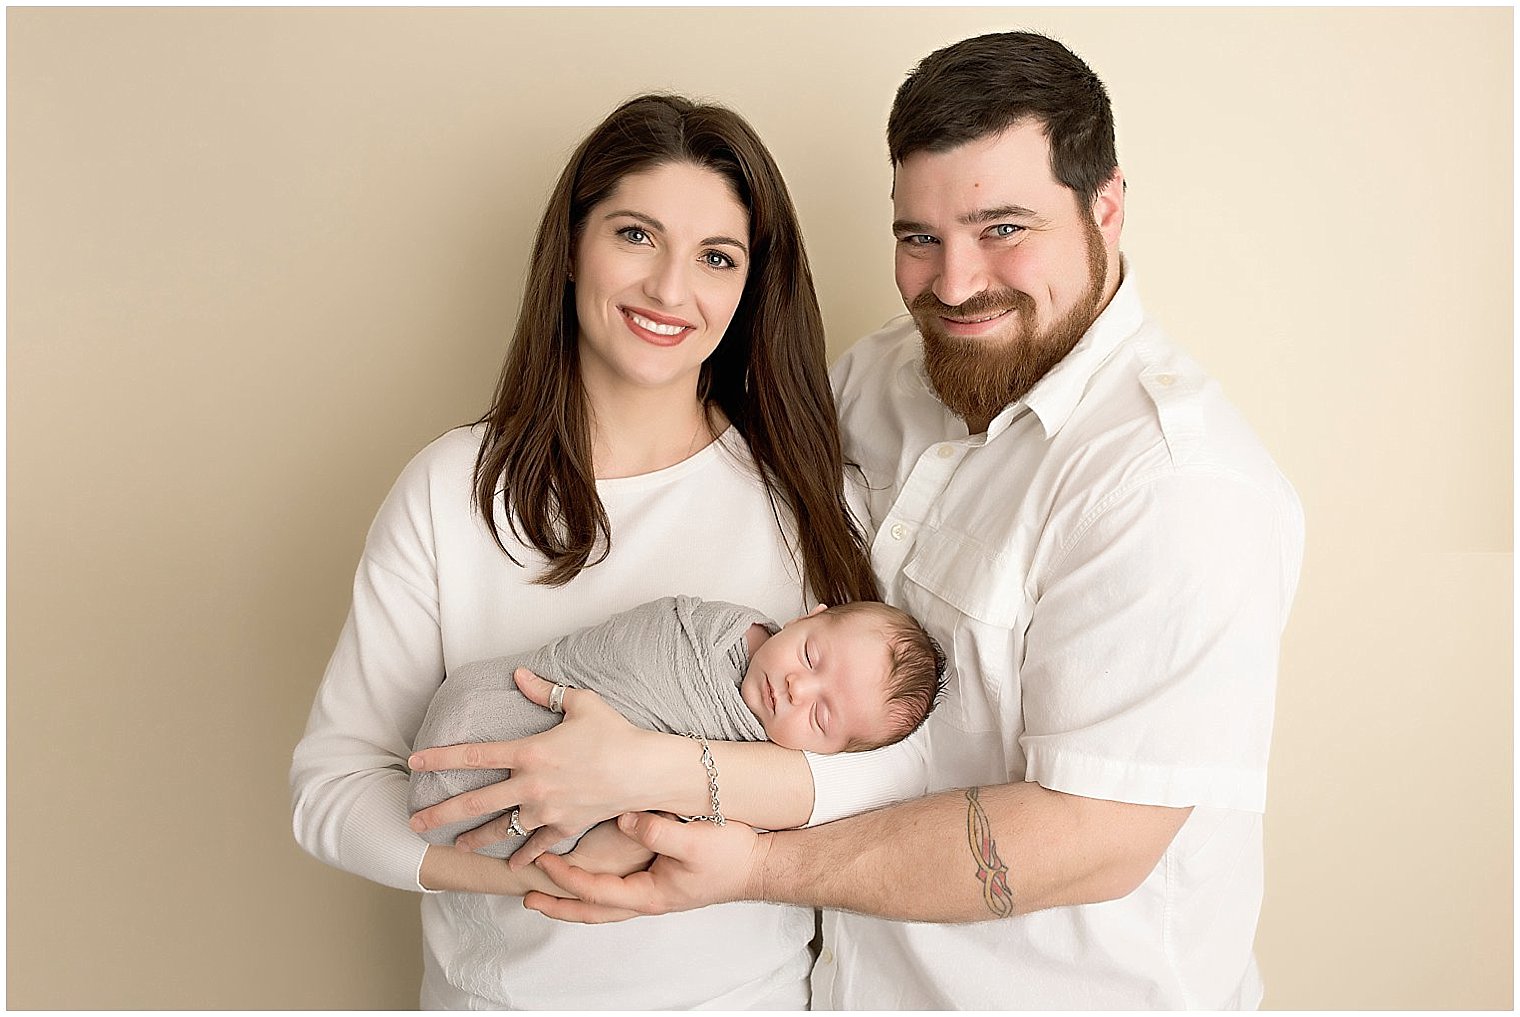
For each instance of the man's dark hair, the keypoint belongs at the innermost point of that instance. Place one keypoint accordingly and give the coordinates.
(985, 85)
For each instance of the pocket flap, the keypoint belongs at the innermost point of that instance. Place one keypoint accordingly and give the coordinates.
(968, 576)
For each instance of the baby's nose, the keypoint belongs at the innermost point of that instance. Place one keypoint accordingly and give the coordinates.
(797, 686)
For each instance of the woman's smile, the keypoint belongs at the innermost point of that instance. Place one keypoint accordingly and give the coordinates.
(656, 328)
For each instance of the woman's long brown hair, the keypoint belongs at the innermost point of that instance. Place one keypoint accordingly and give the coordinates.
(768, 374)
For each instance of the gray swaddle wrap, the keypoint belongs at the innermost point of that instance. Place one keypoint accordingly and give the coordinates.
(670, 665)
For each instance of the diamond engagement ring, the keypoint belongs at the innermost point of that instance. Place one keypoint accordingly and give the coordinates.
(557, 698)
(514, 826)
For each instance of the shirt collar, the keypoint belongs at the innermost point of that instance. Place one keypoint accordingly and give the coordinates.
(1056, 395)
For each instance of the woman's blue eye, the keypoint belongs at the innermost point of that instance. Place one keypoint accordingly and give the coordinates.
(633, 234)
(717, 259)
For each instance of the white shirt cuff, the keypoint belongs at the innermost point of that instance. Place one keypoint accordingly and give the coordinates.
(853, 782)
(378, 844)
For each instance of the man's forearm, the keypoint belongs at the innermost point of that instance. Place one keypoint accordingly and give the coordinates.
(969, 855)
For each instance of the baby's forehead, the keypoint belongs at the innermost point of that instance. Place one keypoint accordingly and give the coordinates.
(870, 635)
(867, 620)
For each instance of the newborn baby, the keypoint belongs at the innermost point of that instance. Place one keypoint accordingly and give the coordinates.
(839, 679)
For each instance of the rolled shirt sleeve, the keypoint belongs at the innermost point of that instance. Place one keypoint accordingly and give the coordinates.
(1151, 655)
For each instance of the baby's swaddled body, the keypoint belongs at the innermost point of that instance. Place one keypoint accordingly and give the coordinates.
(671, 665)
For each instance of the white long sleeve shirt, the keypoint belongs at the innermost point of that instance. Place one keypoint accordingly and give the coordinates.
(433, 592)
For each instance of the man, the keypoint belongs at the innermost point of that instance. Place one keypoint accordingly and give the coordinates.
(1105, 552)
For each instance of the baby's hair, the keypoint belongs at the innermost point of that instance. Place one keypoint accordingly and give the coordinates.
(916, 678)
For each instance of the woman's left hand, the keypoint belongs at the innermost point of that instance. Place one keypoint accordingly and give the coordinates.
(698, 864)
(607, 850)
(585, 769)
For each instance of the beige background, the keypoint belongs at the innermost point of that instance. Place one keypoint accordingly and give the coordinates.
(259, 258)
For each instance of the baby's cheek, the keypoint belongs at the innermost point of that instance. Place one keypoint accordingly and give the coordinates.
(783, 736)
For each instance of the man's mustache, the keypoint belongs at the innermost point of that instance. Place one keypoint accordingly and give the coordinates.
(978, 306)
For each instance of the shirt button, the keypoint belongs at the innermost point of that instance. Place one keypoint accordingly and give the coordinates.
(827, 956)
(1165, 380)
(946, 451)
(898, 531)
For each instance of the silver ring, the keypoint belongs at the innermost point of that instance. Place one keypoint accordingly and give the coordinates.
(515, 827)
(557, 698)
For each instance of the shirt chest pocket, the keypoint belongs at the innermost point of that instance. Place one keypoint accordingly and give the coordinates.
(973, 602)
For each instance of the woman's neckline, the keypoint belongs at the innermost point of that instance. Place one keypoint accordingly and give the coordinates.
(645, 447)
(668, 473)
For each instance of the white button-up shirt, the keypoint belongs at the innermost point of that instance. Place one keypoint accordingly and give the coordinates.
(1109, 569)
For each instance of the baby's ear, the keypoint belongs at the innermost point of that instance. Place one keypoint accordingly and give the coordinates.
(820, 607)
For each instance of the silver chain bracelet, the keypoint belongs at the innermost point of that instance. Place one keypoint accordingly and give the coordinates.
(712, 780)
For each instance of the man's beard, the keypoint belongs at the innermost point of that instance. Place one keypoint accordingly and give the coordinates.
(976, 378)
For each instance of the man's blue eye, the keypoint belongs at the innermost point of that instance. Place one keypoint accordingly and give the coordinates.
(1006, 229)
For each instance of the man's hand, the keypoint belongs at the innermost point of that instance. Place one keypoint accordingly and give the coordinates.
(563, 781)
(698, 864)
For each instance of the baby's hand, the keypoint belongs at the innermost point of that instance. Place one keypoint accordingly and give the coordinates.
(606, 849)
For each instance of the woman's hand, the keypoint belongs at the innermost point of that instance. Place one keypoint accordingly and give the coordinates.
(607, 850)
(588, 768)
(698, 864)
(443, 868)
(604, 850)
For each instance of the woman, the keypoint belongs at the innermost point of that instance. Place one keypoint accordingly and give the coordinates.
(662, 421)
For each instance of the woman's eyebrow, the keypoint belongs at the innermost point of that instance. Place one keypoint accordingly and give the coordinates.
(653, 223)
(726, 240)
(647, 220)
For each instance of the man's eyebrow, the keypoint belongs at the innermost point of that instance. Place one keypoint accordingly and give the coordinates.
(653, 223)
(981, 215)
(993, 214)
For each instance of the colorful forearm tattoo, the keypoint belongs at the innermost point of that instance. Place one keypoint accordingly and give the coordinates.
(989, 867)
